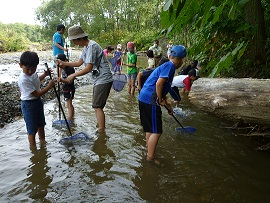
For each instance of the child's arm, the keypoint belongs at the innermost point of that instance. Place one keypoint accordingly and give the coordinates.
(62, 80)
(44, 90)
(88, 68)
(159, 89)
(168, 104)
(129, 64)
(139, 87)
(184, 91)
(66, 63)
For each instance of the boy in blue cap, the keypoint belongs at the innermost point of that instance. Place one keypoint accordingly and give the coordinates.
(153, 95)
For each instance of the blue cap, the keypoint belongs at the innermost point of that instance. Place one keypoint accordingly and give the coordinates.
(178, 51)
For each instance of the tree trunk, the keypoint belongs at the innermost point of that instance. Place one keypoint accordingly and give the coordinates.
(235, 99)
(255, 17)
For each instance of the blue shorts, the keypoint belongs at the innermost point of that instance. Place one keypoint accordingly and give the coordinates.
(132, 76)
(33, 113)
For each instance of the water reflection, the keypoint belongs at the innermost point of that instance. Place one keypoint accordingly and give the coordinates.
(104, 164)
(38, 173)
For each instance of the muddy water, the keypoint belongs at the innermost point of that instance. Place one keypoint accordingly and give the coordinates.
(211, 165)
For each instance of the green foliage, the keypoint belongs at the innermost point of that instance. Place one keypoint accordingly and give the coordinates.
(101, 17)
(219, 34)
(142, 40)
(13, 37)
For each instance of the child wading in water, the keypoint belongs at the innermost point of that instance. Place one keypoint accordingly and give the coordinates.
(31, 103)
(95, 62)
(153, 95)
(119, 53)
(68, 89)
(132, 70)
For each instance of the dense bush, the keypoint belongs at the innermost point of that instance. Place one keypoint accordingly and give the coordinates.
(19, 36)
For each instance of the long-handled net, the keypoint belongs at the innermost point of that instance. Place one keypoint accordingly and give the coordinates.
(72, 138)
(59, 123)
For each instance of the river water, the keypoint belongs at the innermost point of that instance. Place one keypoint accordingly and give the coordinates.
(212, 165)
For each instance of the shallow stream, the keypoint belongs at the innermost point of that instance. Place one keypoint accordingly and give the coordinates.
(212, 165)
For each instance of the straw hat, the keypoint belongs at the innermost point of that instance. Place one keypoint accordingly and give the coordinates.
(76, 32)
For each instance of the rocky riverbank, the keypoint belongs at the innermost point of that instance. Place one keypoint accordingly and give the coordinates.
(9, 92)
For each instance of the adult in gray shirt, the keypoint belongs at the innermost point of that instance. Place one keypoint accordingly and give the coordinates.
(97, 65)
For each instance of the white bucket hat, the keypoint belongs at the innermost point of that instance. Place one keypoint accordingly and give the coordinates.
(76, 32)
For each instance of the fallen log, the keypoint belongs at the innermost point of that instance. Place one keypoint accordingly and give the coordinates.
(235, 99)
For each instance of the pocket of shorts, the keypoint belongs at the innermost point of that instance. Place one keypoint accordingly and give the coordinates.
(26, 105)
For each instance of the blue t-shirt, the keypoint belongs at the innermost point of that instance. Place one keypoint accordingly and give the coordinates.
(148, 92)
(57, 38)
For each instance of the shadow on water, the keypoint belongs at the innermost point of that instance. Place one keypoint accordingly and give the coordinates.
(211, 165)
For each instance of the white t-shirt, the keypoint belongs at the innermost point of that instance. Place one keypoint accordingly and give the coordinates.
(27, 85)
(93, 54)
(151, 62)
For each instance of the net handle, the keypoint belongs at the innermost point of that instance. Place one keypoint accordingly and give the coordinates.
(58, 98)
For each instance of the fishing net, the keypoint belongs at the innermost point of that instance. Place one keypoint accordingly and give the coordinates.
(119, 81)
(113, 62)
(187, 129)
(60, 124)
(75, 139)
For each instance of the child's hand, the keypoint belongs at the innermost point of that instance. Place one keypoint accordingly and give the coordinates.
(46, 72)
(170, 110)
(51, 84)
(160, 103)
(58, 62)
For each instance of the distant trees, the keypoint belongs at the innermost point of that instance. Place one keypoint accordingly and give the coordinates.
(107, 21)
(229, 37)
(19, 36)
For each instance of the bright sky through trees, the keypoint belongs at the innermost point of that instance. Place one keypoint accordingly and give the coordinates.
(19, 11)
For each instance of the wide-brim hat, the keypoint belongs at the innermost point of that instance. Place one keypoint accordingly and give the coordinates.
(76, 32)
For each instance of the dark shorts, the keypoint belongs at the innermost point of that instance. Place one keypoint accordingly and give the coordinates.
(33, 114)
(150, 116)
(68, 95)
(100, 95)
(174, 92)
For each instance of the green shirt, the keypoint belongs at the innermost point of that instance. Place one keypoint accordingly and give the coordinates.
(131, 59)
